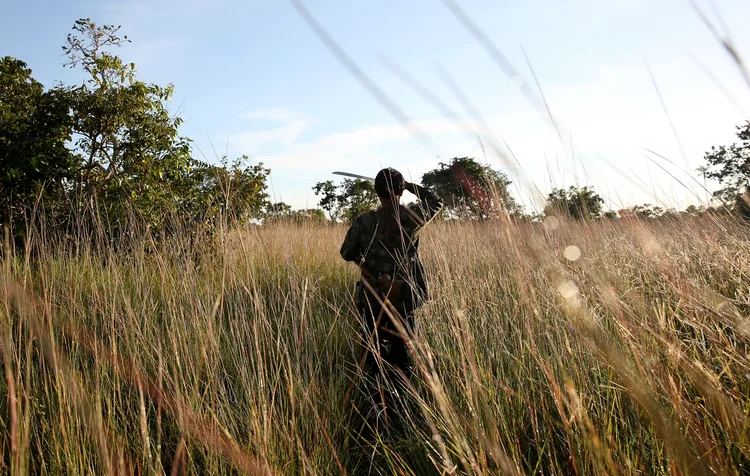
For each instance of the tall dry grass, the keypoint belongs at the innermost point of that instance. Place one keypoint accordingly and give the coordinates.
(196, 359)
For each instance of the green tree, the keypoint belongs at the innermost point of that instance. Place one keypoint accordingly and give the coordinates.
(694, 211)
(110, 148)
(470, 189)
(132, 158)
(357, 197)
(347, 200)
(730, 166)
(236, 191)
(276, 212)
(309, 216)
(579, 203)
(281, 212)
(642, 212)
(34, 161)
(329, 200)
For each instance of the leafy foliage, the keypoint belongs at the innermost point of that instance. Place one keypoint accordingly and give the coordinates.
(109, 148)
(132, 156)
(281, 212)
(730, 166)
(357, 197)
(642, 212)
(470, 189)
(236, 191)
(347, 200)
(578, 203)
(329, 200)
(277, 211)
(34, 127)
(309, 216)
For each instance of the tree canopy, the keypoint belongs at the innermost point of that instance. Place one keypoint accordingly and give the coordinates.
(578, 203)
(109, 148)
(470, 189)
(34, 129)
(131, 154)
(642, 212)
(730, 166)
(282, 213)
(347, 200)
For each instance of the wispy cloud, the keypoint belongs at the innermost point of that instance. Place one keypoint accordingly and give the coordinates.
(285, 129)
(372, 144)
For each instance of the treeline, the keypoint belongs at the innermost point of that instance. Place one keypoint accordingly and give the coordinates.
(108, 152)
(472, 190)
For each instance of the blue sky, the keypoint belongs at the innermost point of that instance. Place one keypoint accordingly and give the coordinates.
(252, 78)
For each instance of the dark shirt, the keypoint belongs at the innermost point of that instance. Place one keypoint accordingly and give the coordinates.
(386, 240)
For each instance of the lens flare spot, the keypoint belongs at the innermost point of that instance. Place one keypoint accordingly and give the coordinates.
(572, 253)
(568, 289)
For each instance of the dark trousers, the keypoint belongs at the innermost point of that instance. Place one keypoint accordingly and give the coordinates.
(390, 342)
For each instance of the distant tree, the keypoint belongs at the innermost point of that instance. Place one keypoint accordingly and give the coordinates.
(276, 212)
(470, 189)
(236, 191)
(280, 212)
(669, 213)
(329, 200)
(348, 200)
(579, 203)
(642, 212)
(610, 215)
(730, 166)
(34, 160)
(692, 210)
(278, 208)
(356, 197)
(535, 217)
(309, 216)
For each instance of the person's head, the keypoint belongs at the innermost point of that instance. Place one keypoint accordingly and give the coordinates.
(389, 185)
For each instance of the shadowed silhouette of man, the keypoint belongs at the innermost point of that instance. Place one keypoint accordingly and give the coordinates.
(384, 243)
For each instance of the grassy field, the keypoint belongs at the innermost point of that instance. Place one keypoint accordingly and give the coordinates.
(556, 348)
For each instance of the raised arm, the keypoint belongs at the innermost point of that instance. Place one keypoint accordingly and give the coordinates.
(427, 206)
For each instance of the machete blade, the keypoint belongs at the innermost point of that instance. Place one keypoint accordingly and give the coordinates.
(361, 177)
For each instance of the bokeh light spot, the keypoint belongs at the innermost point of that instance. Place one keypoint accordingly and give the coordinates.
(572, 253)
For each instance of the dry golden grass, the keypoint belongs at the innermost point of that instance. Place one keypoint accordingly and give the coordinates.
(632, 358)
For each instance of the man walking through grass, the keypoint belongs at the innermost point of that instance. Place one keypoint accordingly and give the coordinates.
(385, 245)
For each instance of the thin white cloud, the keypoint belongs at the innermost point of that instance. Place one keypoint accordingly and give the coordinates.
(251, 140)
(293, 124)
(366, 144)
